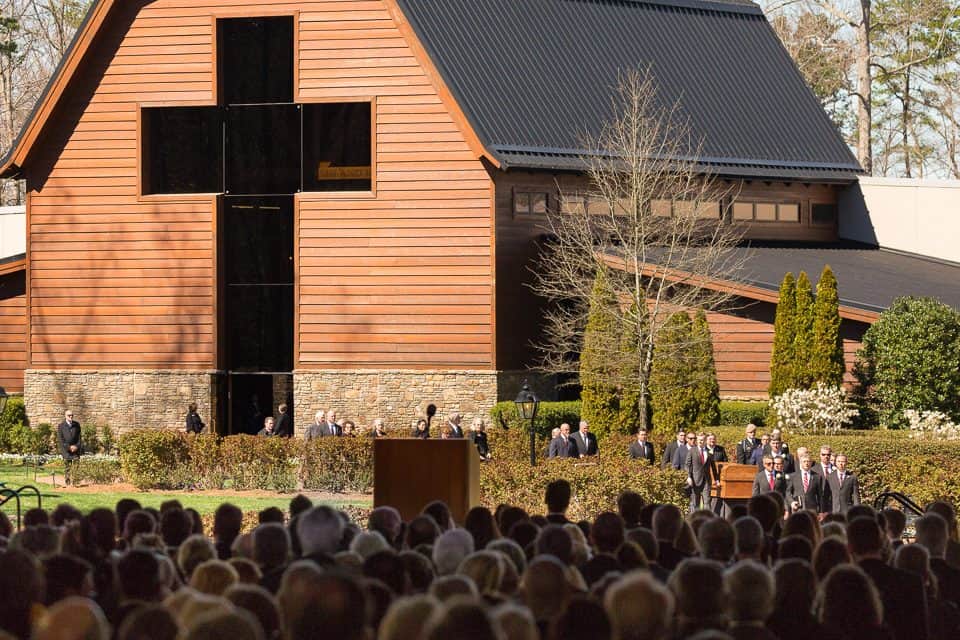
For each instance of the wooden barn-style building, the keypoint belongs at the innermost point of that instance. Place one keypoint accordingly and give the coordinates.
(334, 203)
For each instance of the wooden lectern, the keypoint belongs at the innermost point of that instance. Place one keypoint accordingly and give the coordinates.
(410, 473)
(736, 482)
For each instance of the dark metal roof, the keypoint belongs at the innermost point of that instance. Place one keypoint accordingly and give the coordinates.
(536, 77)
(867, 278)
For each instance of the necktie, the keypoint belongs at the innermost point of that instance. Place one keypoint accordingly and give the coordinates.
(770, 478)
(806, 481)
(841, 478)
(703, 456)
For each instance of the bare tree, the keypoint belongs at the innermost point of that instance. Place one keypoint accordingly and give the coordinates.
(654, 220)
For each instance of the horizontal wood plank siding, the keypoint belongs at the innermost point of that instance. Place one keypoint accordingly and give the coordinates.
(13, 331)
(402, 278)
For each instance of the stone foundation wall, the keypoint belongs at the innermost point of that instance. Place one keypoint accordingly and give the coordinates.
(398, 396)
(118, 399)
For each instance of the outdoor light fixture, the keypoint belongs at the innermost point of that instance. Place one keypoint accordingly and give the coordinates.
(527, 405)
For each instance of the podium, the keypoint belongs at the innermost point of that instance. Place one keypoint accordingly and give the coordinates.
(410, 473)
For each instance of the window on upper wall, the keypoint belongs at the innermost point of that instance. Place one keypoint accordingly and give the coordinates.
(766, 211)
(531, 202)
(823, 214)
(255, 58)
(182, 150)
(705, 210)
(337, 146)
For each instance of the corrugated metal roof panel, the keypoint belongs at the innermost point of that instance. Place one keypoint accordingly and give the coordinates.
(541, 74)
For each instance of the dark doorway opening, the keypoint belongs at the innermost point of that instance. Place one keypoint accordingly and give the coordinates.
(255, 396)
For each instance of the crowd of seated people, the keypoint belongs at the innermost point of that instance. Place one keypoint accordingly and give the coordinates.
(642, 571)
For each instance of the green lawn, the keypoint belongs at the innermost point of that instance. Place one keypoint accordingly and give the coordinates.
(204, 502)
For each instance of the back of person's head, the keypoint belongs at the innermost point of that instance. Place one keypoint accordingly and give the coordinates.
(195, 550)
(367, 543)
(600, 566)
(176, 525)
(213, 577)
(460, 618)
(795, 547)
(932, 533)
(387, 567)
(419, 570)
(66, 575)
(647, 541)
(834, 530)
(35, 516)
(864, 537)
(697, 586)
(795, 587)
(125, 506)
(138, 575)
(916, 559)
(387, 521)
(946, 511)
(444, 588)
(631, 556)
(64, 513)
(511, 550)
(450, 549)
(21, 584)
(407, 618)
(261, 604)
(557, 496)
(608, 532)
(861, 511)
(319, 530)
(515, 622)
(509, 517)
(485, 568)
(298, 504)
(896, 522)
(41, 541)
(330, 602)
(803, 523)
(667, 522)
(849, 603)
(481, 525)
(73, 618)
(554, 540)
(749, 537)
(829, 553)
(524, 533)
(544, 586)
(149, 622)
(630, 504)
(765, 509)
(717, 540)
(167, 505)
(236, 624)
(421, 530)
(639, 607)
(582, 619)
(227, 522)
(247, 570)
(103, 526)
(271, 514)
(686, 541)
(749, 591)
(137, 522)
(271, 545)
(440, 512)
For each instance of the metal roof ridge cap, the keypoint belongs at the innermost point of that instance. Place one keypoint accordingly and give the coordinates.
(714, 6)
(919, 256)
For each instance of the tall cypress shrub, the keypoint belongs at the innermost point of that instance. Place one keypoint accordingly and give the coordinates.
(601, 341)
(671, 381)
(827, 363)
(802, 377)
(784, 327)
(706, 388)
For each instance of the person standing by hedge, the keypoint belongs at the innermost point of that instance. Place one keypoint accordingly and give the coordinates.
(194, 424)
(68, 438)
(746, 446)
(284, 428)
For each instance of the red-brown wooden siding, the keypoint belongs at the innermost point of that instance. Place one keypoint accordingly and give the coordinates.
(400, 278)
(13, 331)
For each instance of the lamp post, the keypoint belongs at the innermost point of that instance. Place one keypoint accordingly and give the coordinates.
(527, 405)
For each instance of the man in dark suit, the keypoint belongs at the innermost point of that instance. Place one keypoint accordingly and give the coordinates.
(767, 481)
(777, 448)
(330, 427)
(843, 486)
(317, 428)
(641, 449)
(716, 450)
(805, 489)
(68, 439)
(701, 473)
(762, 449)
(746, 446)
(563, 446)
(902, 592)
(680, 457)
(823, 466)
(671, 449)
(586, 441)
(283, 428)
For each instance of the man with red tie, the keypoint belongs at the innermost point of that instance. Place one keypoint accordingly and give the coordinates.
(805, 489)
(701, 473)
(768, 481)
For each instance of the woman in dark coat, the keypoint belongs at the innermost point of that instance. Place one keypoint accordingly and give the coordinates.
(194, 423)
(420, 430)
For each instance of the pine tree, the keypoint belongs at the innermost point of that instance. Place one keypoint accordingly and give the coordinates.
(671, 380)
(803, 335)
(601, 341)
(827, 364)
(706, 388)
(634, 401)
(781, 360)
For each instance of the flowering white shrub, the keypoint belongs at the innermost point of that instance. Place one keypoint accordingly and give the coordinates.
(823, 409)
(931, 424)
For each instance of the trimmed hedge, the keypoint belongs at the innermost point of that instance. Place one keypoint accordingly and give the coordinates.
(738, 412)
